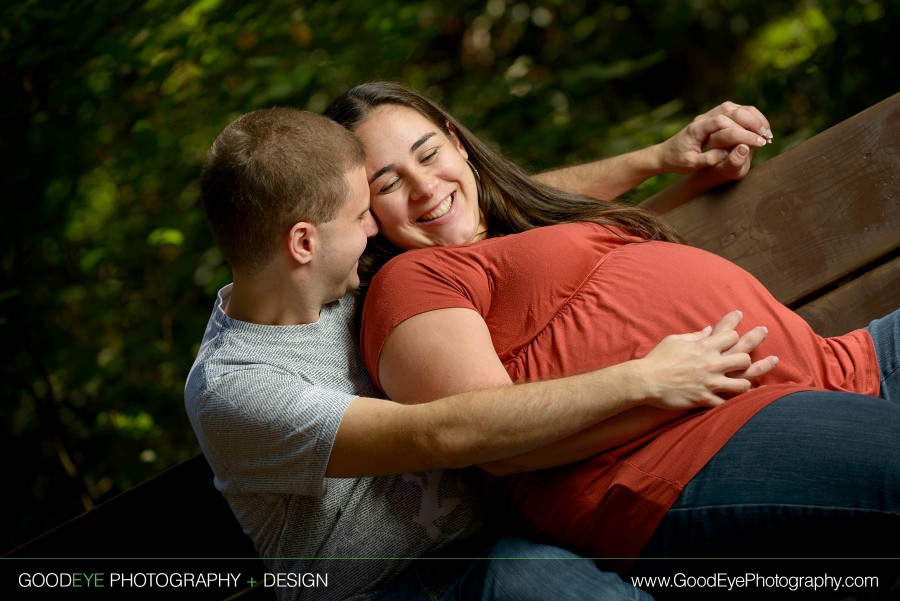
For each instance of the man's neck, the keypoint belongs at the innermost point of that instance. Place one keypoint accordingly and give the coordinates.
(272, 299)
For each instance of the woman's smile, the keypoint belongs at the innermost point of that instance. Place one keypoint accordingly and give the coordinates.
(423, 189)
(442, 209)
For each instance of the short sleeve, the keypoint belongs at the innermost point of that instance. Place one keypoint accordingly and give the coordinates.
(271, 431)
(417, 282)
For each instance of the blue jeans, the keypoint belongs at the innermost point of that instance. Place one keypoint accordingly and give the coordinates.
(814, 474)
(514, 569)
(886, 336)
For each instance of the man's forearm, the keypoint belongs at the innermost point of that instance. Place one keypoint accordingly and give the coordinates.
(460, 409)
(377, 436)
(466, 425)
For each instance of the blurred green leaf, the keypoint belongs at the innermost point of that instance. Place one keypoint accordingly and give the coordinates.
(109, 107)
(164, 235)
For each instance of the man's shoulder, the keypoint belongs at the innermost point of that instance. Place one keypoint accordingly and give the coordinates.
(232, 365)
(229, 355)
(230, 359)
(239, 360)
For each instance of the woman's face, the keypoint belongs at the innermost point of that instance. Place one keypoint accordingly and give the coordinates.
(422, 189)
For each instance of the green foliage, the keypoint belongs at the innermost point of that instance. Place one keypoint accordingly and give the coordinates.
(108, 270)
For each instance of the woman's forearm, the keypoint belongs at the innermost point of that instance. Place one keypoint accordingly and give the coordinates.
(612, 432)
(605, 179)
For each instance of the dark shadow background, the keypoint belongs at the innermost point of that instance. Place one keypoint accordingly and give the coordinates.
(107, 270)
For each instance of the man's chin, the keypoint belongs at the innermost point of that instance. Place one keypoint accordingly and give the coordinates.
(352, 285)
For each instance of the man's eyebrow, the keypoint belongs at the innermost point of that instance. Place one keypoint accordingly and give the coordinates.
(412, 148)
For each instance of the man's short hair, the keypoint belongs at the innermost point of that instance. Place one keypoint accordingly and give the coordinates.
(270, 169)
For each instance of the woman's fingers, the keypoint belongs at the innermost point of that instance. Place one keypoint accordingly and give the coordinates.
(730, 385)
(729, 321)
(737, 365)
(760, 368)
(699, 368)
(694, 336)
(748, 116)
(750, 340)
(727, 138)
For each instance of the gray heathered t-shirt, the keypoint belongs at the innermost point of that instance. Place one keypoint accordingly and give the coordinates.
(265, 403)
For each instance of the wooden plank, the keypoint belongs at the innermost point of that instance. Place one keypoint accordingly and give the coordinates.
(800, 222)
(870, 296)
(176, 513)
(812, 215)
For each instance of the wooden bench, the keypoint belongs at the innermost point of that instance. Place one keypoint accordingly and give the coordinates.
(174, 522)
(818, 224)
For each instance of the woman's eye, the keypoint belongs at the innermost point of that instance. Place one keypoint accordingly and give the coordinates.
(429, 156)
(390, 185)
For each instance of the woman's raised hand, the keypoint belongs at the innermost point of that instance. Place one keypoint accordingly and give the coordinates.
(687, 371)
(721, 139)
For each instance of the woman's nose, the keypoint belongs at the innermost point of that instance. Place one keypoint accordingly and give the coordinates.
(423, 187)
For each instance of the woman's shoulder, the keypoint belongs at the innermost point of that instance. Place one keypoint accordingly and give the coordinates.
(413, 271)
(414, 260)
(486, 255)
(568, 238)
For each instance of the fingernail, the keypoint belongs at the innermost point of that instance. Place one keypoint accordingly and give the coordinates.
(743, 150)
(775, 359)
(765, 329)
(761, 141)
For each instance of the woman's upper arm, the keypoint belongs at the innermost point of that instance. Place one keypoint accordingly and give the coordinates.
(439, 353)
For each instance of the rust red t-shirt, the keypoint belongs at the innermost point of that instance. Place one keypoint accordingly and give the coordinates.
(570, 298)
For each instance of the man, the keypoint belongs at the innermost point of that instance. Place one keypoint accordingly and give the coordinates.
(319, 470)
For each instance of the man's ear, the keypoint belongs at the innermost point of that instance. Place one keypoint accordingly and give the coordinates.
(302, 241)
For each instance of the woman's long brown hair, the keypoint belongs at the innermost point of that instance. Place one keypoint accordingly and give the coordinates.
(511, 200)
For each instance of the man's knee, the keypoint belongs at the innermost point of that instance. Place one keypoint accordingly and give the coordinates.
(520, 570)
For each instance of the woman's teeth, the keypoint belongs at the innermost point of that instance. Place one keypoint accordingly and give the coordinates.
(439, 211)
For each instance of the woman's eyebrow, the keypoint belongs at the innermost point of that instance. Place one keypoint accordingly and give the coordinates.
(380, 172)
(420, 141)
(412, 148)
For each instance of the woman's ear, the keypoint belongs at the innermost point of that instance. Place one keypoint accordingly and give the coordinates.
(302, 240)
(456, 141)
